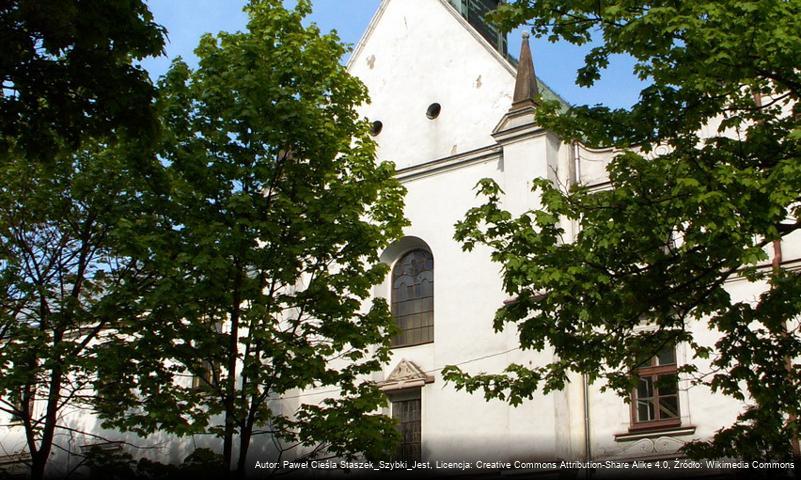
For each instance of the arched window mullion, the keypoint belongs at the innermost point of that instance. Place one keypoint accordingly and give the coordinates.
(413, 298)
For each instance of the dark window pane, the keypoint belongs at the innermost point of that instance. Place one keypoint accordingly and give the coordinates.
(407, 413)
(668, 407)
(666, 356)
(413, 298)
(645, 389)
(427, 318)
(667, 384)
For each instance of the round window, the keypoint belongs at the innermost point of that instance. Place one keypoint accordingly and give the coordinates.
(433, 111)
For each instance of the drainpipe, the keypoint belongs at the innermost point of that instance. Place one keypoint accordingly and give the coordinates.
(587, 445)
(576, 162)
(585, 389)
(788, 362)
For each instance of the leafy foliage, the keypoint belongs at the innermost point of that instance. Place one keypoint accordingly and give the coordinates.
(202, 464)
(656, 249)
(70, 184)
(67, 71)
(268, 246)
(66, 278)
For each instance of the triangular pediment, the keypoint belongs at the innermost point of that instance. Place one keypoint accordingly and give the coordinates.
(515, 123)
(416, 53)
(406, 374)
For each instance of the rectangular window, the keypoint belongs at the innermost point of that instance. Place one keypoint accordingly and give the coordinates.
(18, 405)
(206, 374)
(655, 401)
(406, 412)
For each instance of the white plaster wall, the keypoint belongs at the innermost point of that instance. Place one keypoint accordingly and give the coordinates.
(700, 408)
(592, 165)
(87, 430)
(419, 53)
(467, 292)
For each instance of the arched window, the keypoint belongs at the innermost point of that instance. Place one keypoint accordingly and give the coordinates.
(413, 298)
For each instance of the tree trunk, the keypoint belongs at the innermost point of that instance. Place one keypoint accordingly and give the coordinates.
(40, 458)
(228, 440)
(244, 445)
(230, 387)
(38, 463)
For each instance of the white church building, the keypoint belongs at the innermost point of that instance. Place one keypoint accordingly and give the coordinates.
(450, 108)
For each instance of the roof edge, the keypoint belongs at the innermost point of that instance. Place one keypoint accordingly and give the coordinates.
(367, 32)
(488, 46)
(503, 60)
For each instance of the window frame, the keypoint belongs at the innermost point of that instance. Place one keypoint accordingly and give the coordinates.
(204, 377)
(207, 373)
(654, 370)
(18, 404)
(392, 300)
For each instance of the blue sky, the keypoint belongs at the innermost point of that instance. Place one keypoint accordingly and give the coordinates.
(555, 63)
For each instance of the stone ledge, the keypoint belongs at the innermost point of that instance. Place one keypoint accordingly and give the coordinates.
(655, 433)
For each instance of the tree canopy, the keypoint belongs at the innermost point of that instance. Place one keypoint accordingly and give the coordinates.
(71, 182)
(268, 245)
(656, 249)
(68, 71)
(65, 279)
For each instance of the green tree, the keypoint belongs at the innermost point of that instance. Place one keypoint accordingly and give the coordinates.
(67, 72)
(70, 90)
(656, 248)
(64, 281)
(270, 244)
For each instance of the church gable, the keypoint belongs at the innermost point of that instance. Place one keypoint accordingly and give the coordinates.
(418, 53)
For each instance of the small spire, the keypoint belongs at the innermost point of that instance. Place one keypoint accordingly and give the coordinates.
(526, 83)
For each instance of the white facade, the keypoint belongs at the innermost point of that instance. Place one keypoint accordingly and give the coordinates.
(413, 54)
(418, 52)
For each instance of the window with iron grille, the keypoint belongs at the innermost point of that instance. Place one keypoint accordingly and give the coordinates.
(407, 413)
(413, 298)
(655, 401)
